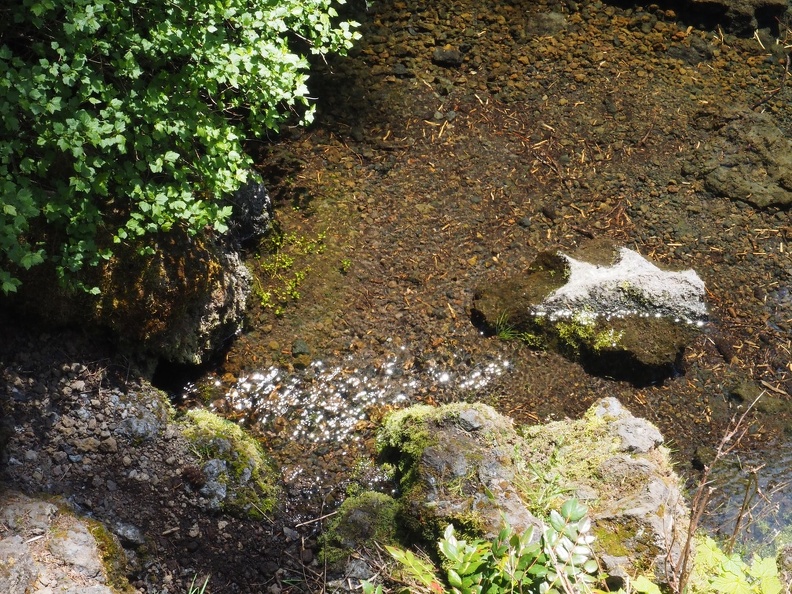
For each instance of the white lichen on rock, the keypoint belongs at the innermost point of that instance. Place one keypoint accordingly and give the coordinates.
(631, 286)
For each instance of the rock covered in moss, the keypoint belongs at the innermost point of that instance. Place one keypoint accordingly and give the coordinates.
(360, 522)
(617, 464)
(466, 464)
(604, 303)
(181, 304)
(236, 474)
(456, 464)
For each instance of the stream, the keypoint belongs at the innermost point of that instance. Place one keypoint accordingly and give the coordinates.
(425, 177)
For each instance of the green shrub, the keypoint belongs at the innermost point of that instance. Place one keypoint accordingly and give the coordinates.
(122, 119)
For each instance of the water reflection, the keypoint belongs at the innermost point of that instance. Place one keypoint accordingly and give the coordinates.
(331, 403)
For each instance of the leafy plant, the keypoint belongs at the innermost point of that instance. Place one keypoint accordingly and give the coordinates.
(119, 120)
(559, 561)
(277, 282)
(716, 571)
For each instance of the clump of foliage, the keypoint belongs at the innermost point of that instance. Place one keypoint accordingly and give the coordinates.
(122, 119)
(715, 571)
(561, 560)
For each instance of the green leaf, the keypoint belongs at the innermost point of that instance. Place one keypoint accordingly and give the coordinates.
(417, 568)
(30, 259)
(763, 568)
(557, 521)
(573, 511)
(643, 585)
(454, 579)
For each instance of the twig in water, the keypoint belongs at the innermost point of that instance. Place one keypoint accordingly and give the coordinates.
(751, 489)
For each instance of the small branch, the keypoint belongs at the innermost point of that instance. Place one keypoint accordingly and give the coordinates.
(730, 440)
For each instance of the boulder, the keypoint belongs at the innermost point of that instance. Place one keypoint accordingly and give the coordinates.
(604, 304)
(181, 304)
(453, 471)
(466, 464)
(42, 544)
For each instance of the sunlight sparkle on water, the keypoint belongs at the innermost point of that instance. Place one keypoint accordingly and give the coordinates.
(331, 403)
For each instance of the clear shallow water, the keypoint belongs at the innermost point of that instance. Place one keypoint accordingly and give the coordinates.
(318, 423)
(766, 477)
(331, 403)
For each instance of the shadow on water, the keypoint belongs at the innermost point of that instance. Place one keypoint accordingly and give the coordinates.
(618, 366)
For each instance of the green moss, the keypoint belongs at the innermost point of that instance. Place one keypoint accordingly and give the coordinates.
(360, 522)
(559, 457)
(625, 539)
(403, 437)
(251, 487)
(113, 557)
(584, 332)
(574, 334)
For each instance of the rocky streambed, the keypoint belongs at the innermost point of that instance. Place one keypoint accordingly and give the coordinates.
(459, 141)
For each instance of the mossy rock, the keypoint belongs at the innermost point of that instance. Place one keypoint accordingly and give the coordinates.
(454, 464)
(360, 522)
(465, 464)
(179, 304)
(248, 474)
(114, 558)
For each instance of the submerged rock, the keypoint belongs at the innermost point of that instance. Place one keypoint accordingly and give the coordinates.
(748, 157)
(737, 16)
(602, 304)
